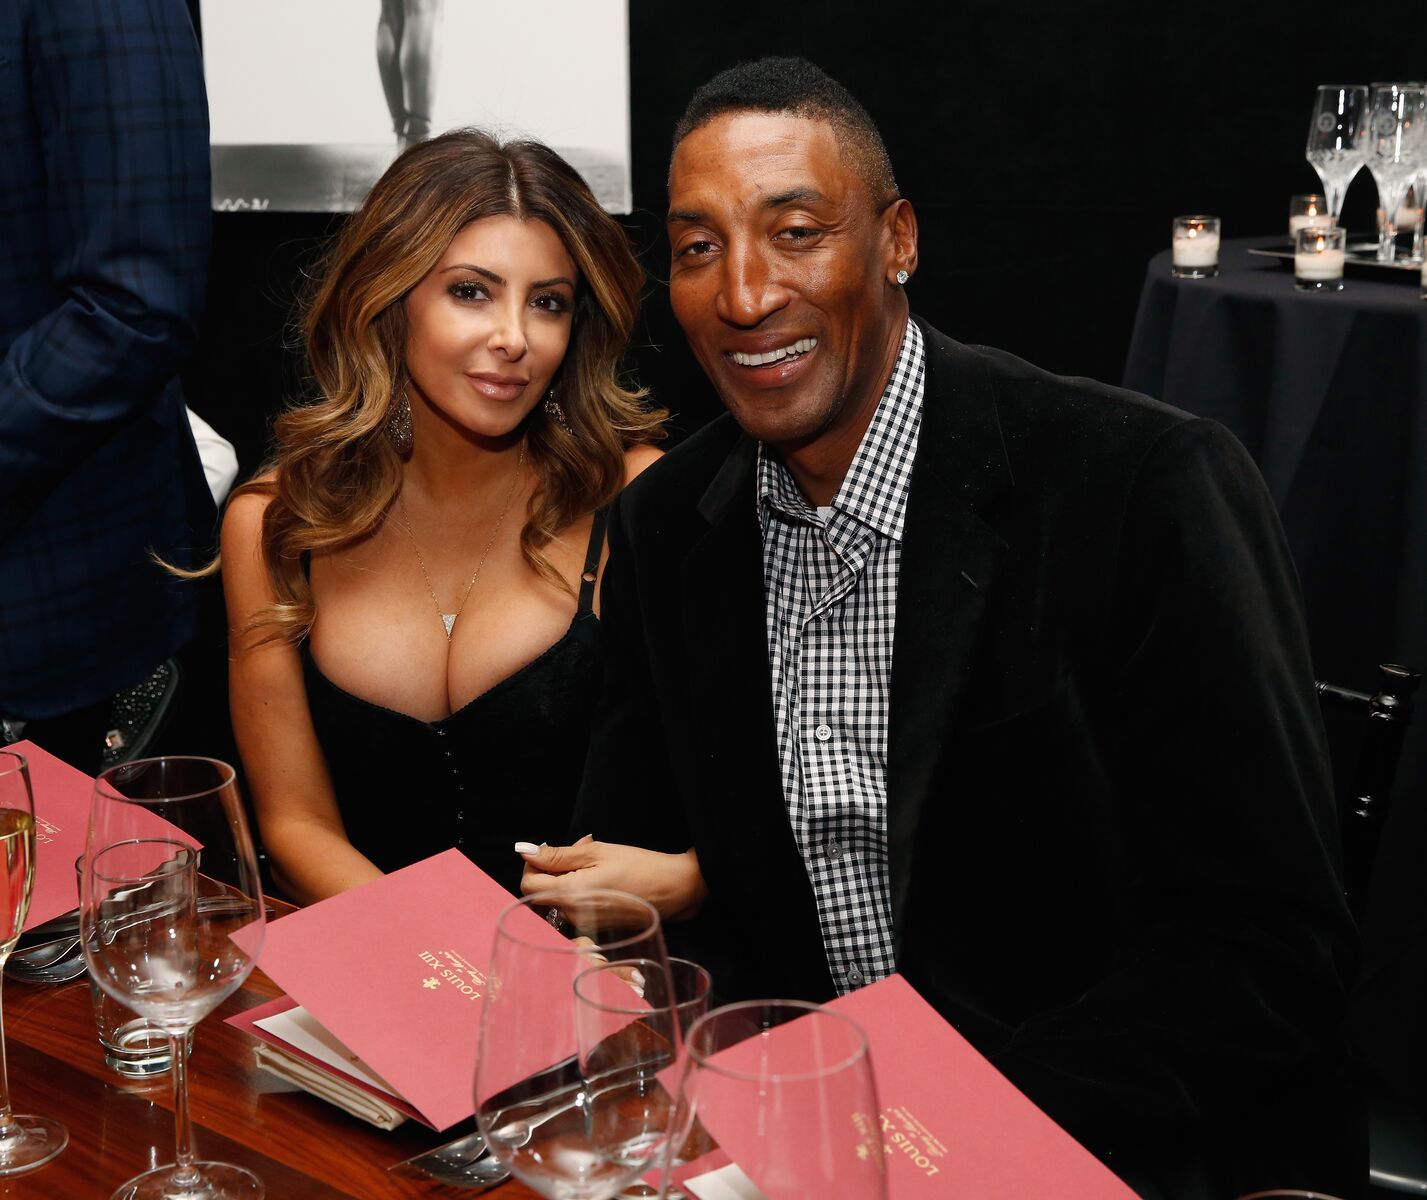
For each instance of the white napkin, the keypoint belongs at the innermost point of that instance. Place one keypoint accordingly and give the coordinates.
(326, 1086)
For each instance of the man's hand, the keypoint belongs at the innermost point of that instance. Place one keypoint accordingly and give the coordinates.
(672, 883)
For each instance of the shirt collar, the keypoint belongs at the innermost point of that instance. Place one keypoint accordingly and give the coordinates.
(874, 490)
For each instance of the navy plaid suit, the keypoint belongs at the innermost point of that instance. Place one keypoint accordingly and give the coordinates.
(104, 241)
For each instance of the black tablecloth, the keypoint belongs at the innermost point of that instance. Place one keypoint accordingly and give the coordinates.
(1329, 393)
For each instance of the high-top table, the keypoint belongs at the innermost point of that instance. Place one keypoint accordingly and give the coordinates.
(301, 1147)
(1329, 394)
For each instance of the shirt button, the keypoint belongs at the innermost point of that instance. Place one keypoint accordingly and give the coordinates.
(822, 732)
(460, 816)
(834, 850)
(447, 753)
(854, 974)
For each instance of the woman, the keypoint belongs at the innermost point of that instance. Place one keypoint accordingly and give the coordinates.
(411, 585)
(406, 61)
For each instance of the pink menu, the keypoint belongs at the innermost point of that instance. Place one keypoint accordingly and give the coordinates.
(950, 1123)
(62, 797)
(396, 971)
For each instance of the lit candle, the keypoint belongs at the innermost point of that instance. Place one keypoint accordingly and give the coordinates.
(1318, 259)
(1325, 264)
(1196, 248)
(1309, 211)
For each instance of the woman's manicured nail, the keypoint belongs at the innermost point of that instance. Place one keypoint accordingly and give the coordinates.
(526, 848)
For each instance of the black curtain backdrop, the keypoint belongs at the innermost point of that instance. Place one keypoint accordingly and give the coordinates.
(1045, 146)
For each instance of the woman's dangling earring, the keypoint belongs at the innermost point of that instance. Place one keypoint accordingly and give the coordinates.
(398, 424)
(554, 411)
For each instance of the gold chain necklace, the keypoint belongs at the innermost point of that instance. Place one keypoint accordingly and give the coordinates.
(448, 620)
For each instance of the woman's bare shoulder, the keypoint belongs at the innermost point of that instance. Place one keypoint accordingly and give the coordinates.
(638, 459)
(243, 516)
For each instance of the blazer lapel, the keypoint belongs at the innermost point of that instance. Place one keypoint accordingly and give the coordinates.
(950, 561)
(727, 647)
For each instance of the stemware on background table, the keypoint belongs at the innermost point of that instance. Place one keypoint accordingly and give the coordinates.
(1397, 146)
(26, 1142)
(1338, 139)
(157, 919)
(573, 1038)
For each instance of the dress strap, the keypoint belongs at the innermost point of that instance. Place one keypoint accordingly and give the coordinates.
(592, 560)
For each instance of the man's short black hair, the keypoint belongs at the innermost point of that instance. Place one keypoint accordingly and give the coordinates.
(798, 87)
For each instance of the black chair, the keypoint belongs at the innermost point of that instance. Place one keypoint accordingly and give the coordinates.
(1398, 1163)
(1364, 809)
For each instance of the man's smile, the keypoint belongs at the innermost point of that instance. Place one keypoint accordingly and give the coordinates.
(775, 355)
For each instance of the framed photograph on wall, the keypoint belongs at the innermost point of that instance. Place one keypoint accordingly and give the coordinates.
(310, 100)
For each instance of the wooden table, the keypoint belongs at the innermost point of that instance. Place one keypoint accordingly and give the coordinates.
(301, 1147)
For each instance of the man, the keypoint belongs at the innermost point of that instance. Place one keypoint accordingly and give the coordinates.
(945, 665)
(104, 236)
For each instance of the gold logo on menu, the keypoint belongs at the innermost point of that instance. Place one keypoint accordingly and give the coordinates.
(904, 1134)
(453, 970)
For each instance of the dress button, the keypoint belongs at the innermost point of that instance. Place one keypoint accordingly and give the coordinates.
(822, 732)
(854, 974)
(460, 816)
(447, 753)
(834, 850)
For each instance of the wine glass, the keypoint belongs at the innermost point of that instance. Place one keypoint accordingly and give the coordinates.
(171, 920)
(566, 1086)
(786, 1089)
(26, 1142)
(1337, 139)
(1395, 151)
(688, 1001)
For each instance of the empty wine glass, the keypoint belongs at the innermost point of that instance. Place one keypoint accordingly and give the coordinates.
(1337, 139)
(26, 1142)
(786, 1089)
(1395, 152)
(688, 1002)
(171, 921)
(573, 1036)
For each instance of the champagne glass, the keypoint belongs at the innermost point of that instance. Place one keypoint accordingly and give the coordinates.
(1337, 139)
(1395, 151)
(786, 1088)
(566, 1086)
(26, 1142)
(171, 920)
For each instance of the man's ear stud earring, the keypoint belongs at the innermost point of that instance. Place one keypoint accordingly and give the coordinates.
(902, 277)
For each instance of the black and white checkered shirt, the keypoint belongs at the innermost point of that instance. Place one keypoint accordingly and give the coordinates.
(830, 578)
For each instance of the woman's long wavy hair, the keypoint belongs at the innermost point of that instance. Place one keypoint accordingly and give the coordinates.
(335, 473)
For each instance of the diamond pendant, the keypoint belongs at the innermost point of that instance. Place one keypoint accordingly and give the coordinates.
(448, 620)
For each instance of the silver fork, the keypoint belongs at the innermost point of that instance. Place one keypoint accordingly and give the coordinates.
(58, 967)
(465, 1163)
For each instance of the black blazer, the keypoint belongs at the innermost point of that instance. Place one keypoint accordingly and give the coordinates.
(1109, 816)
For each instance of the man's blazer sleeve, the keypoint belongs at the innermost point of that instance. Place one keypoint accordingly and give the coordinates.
(1233, 969)
(628, 793)
(122, 114)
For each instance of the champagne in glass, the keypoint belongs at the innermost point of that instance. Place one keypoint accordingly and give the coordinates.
(171, 920)
(26, 1142)
(1337, 139)
(567, 1063)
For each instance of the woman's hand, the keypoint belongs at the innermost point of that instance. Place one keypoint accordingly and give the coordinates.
(672, 883)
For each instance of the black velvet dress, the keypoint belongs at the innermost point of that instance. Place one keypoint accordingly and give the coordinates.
(503, 768)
